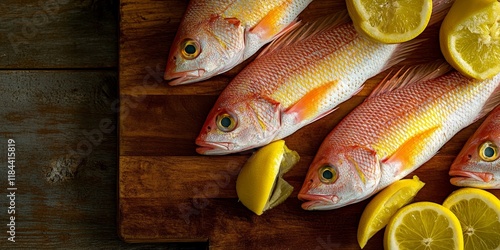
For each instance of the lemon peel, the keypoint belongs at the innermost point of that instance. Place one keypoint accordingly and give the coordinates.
(260, 185)
(469, 38)
(423, 225)
(384, 205)
(479, 214)
(394, 21)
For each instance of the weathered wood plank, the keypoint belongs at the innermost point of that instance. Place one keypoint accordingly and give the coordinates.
(58, 34)
(66, 191)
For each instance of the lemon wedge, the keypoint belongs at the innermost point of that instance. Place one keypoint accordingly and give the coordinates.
(479, 214)
(423, 225)
(384, 205)
(260, 185)
(393, 21)
(470, 37)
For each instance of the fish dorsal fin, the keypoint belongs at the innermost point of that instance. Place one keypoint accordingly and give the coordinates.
(305, 30)
(409, 75)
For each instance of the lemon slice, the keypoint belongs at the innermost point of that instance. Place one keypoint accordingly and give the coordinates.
(384, 205)
(260, 185)
(479, 214)
(470, 37)
(392, 21)
(423, 225)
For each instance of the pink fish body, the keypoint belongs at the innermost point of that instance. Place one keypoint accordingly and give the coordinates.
(396, 130)
(478, 164)
(294, 85)
(214, 36)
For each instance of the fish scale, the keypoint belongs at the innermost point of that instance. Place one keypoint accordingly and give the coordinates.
(401, 128)
(297, 84)
(225, 33)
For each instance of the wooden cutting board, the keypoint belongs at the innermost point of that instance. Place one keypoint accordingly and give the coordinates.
(167, 192)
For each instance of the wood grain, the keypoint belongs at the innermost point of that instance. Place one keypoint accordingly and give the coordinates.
(64, 200)
(58, 34)
(168, 193)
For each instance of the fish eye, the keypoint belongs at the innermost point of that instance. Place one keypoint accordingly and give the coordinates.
(190, 49)
(328, 174)
(226, 122)
(488, 151)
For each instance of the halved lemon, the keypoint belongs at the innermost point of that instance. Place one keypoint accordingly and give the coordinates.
(393, 21)
(423, 225)
(384, 205)
(470, 37)
(479, 214)
(260, 185)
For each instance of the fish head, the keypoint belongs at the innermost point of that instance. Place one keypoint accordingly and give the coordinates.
(238, 125)
(337, 178)
(202, 50)
(478, 164)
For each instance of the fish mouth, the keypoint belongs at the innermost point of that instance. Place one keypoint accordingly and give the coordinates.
(179, 78)
(213, 148)
(478, 176)
(475, 179)
(318, 202)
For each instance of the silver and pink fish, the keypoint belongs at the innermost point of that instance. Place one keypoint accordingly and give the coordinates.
(392, 133)
(298, 79)
(478, 164)
(214, 36)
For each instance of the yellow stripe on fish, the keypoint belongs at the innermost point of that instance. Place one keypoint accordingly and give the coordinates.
(403, 126)
(299, 79)
(224, 33)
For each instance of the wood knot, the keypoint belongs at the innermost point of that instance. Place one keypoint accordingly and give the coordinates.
(63, 169)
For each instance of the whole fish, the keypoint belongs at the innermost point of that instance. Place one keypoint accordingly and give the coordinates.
(299, 79)
(392, 133)
(214, 36)
(478, 164)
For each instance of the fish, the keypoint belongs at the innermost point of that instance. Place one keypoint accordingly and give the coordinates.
(478, 163)
(214, 36)
(399, 127)
(297, 80)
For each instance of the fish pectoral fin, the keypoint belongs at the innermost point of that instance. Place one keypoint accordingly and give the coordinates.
(309, 105)
(268, 27)
(404, 156)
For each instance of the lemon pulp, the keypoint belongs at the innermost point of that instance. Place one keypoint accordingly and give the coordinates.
(479, 214)
(470, 37)
(423, 225)
(392, 21)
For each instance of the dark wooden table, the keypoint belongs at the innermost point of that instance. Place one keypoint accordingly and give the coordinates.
(59, 99)
(59, 92)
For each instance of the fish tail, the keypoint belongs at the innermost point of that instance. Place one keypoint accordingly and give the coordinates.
(439, 10)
